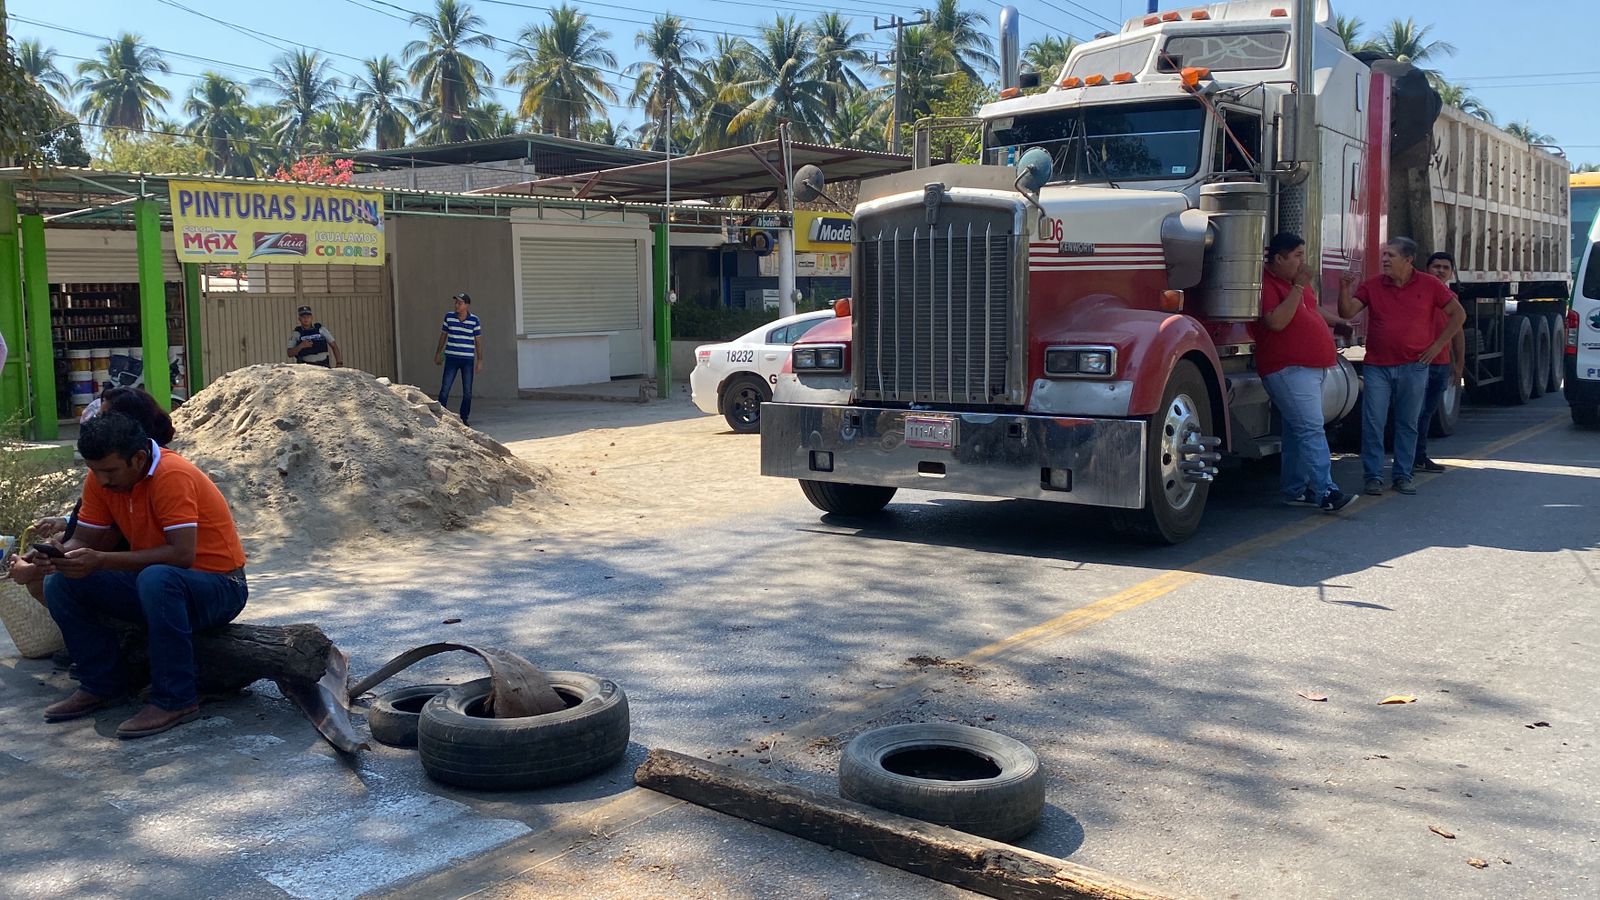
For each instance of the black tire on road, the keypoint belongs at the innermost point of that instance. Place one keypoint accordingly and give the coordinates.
(1558, 345)
(742, 397)
(461, 747)
(1172, 508)
(1448, 416)
(393, 716)
(1542, 345)
(847, 499)
(1004, 806)
(1517, 388)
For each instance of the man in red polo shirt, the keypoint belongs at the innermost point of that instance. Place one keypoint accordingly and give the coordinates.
(183, 573)
(1294, 350)
(1404, 335)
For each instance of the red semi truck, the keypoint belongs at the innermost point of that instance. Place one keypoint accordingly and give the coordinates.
(1067, 321)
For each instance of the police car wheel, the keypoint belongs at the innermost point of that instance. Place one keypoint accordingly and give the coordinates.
(741, 403)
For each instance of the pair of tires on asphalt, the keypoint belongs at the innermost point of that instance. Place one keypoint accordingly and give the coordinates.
(460, 745)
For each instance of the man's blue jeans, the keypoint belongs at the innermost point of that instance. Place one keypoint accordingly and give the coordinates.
(1438, 380)
(1384, 389)
(452, 365)
(1297, 393)
(171, 602)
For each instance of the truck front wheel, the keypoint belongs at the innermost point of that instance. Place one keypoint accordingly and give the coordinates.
(1173, 504)
(846, 499)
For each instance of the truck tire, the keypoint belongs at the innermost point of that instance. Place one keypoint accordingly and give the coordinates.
(965, 778)
(1448, 415)
(847, 499)
(1172, 506)
(1517, 388)
(460, 746)
(1558, 347)
(742, 397)
(1541, 354)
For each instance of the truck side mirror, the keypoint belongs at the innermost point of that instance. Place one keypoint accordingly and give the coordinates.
(1034, 170)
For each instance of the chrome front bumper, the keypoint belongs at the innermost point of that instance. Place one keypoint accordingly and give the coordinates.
(1096, 462)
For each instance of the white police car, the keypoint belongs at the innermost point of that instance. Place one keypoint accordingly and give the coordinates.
(1582, 384)
(735, 378)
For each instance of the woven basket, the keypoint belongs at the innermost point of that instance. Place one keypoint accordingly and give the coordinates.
(30, 625)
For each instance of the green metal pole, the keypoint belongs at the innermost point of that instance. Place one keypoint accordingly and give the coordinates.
(152, 301)
(13, 376)
(41, 355)
(191, 300)
(663, 314)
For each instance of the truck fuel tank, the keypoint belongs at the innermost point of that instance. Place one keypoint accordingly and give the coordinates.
(1230, 289)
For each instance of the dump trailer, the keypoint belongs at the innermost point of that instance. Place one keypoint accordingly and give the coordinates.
(1501, 207)
(1069, 320)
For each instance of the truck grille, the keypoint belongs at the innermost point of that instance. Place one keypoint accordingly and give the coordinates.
(935, 312)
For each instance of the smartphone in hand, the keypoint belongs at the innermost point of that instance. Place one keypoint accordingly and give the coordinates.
(50, 550)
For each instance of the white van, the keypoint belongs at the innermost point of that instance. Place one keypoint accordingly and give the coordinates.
(1583, 339)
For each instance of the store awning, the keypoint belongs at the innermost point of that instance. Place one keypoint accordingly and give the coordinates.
(732, 172)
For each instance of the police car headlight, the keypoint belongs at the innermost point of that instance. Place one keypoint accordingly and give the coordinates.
(805, 359)
(830, 358)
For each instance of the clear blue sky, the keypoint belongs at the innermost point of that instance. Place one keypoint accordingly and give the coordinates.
(1537, 64)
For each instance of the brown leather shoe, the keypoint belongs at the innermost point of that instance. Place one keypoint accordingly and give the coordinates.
(80, 704)
(154, 720)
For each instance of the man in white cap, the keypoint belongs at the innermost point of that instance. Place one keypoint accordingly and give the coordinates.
(311, 342)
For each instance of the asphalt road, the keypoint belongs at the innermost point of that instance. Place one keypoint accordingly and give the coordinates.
(1161, 687)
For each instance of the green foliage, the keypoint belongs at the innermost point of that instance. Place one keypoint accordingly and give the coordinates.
(152, 153)
(696, 322)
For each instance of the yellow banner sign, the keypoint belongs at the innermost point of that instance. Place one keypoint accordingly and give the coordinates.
(817, 232)
(293, 224)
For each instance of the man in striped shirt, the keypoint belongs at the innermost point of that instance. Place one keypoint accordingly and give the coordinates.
(460, 351)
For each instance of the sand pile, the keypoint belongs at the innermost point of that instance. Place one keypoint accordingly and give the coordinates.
(313, 455)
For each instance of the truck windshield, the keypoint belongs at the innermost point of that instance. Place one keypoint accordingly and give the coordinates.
(1110, 143)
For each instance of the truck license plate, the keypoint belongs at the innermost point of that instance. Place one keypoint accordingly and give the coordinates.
(933, 432)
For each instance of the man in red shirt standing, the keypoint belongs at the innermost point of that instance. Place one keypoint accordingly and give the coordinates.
(1446, 368)
(1294, 350)
(1404, 335)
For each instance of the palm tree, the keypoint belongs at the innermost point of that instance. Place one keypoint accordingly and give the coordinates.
(962, 43)
(341, 126)
(719, 87)
(120, 88)
(380, 92)
(558, 65)
(921, 79)
(1047, 55)
(303, 88)
(497, 120)
(1524, 130)
(666, 42)
(446, 76)
(860, 121)
(785, 81)
(38, 62)
(1408, 42)
(839, 53)
(216, 105)
(1461, 98)
(600, 131)
(1348, 28)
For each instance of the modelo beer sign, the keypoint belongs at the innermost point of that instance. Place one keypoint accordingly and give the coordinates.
(296, 224)
(832, 231)
(817, 232)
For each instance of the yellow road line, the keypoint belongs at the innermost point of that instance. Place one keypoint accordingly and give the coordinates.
(637, 804)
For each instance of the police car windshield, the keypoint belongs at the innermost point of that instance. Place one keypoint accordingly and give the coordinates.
(1146, 141)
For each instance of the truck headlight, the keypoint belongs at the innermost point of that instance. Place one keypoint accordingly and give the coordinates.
(1080, 362)
(830, 357)
(805, 359)
(825, 358)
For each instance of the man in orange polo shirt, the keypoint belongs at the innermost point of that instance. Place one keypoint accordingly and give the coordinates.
(184, 572)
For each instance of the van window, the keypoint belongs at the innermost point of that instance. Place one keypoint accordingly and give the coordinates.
(1591, 276)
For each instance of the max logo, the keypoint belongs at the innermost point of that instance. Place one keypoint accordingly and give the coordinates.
(211, 242)
(279, 243)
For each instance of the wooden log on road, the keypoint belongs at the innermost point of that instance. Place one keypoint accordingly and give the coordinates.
(932, 851)
(235, 656)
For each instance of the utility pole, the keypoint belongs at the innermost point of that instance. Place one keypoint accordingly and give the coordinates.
(899, 25)
(664, 255)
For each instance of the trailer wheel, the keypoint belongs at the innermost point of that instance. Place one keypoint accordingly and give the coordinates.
(1541, 354)
(1448, 415)
(1558, 345)
(1172, 505)
(846, 499)
(1517, 388)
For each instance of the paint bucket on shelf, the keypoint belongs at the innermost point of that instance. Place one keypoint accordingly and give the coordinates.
(101, 377)
(101, 357)
(80, 360)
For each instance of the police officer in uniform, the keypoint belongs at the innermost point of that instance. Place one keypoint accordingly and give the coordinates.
(312, 343)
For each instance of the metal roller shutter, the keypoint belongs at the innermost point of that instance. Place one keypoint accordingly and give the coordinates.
(576, 286)
(76, 256)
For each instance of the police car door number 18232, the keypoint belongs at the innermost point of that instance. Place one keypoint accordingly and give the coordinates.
(741, 356)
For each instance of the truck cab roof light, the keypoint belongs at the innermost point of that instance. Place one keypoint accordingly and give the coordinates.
(1191, 75)
(841, 307)
(1072, 81)
(1122, 78)
(1172, 17)
(1152, 20)
(1199, 15)
(1008, 93)
(1095, 80)
(1280, 13)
